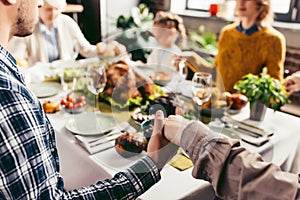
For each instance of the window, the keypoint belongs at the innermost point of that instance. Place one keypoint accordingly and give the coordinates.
(284, 10)
(280, 6)
(197, 5)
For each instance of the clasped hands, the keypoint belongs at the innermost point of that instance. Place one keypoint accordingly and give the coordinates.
(166, 137)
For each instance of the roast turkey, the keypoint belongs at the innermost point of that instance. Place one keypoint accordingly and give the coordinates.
(124, 82)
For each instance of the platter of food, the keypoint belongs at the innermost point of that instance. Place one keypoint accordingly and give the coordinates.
(127, 87)
(170, 104)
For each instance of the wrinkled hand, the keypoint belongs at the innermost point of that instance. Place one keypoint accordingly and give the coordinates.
(174, 126)
(160, 150)
(111, 49)
(292, 83)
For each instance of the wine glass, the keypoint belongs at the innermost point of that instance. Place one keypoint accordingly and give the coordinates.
(182, 68)
(96, 81)
(201, 85)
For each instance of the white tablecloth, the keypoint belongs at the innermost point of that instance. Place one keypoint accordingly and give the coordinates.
(79, 168)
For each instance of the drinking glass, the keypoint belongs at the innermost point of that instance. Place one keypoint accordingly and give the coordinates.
(96, 81)
(201, 85)
(68, 81)
(182, 68)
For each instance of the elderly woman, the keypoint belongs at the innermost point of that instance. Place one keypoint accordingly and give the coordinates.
(57, 36)
(249, 44)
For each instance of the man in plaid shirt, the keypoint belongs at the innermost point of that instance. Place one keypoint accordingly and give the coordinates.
(29, 166)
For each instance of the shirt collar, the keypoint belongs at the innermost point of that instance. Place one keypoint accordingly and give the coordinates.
(8, 64)
(44, 29)
(248, 31)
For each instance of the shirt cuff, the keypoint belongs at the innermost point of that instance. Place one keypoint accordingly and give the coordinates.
(143, 175)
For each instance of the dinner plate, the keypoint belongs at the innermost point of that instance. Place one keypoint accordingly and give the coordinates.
(45, 89)
(91, 123)
(58, 64)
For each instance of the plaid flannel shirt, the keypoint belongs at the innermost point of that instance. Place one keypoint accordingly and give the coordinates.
(29, 166)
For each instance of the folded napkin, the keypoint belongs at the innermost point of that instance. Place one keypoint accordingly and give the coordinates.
(180, 161)
(101, 142)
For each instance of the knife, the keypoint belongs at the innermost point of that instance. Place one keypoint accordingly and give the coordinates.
(248, 127)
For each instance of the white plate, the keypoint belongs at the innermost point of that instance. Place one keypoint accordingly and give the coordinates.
(91, 123)
(58, 64)
(45, 89)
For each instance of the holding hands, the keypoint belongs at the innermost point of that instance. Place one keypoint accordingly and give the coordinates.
(160, 150)
(172, 132)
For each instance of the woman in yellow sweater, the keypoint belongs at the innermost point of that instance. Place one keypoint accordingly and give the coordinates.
(250, 44)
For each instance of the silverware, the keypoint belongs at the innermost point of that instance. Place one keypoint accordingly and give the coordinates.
(237, 128)
(110, 133)
(247, 127)
(99, 143)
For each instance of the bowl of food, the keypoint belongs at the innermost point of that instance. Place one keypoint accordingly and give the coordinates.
(238, 101)
(74, 104)
(130, 144)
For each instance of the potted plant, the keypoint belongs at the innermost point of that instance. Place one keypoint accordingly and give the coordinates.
(135, 33)
(262, 91)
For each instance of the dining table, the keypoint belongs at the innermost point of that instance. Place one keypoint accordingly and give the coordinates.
(81, 168)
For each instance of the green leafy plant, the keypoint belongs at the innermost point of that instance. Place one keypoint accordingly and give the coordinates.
(133, 35)
(204, 39)
(140, 16)
(264, 88)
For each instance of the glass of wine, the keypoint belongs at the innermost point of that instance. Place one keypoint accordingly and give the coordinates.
(96, 82)
(201, 85)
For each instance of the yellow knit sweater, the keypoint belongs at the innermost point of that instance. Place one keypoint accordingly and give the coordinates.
(239, 54)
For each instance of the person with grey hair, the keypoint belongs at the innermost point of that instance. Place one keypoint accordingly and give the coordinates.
(56, 36)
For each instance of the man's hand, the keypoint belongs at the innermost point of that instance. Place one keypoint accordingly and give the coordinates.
(160, 150)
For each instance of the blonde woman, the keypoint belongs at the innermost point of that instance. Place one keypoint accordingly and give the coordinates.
(249, 44)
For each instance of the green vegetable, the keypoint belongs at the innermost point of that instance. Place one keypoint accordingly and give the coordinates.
(264, 88)
(131, 102)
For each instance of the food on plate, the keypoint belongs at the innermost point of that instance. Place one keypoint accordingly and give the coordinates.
(170, 105)
(74, 104)
(218, 100)
(124, 82)
(239, 101)
(50, 106)
(130, 144)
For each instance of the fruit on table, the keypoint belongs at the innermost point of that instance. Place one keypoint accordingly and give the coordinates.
(50, 106)
(130, 144)
(72, 102)
(238, 100)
